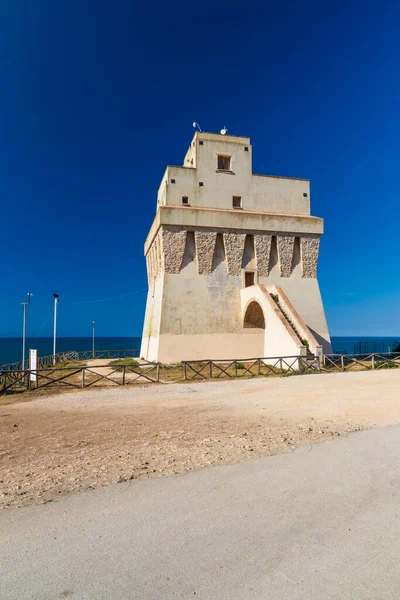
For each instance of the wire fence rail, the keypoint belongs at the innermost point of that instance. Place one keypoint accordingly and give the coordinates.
(72, 355)
(69, 375)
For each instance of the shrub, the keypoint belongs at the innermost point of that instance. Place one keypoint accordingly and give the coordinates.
(127, 362)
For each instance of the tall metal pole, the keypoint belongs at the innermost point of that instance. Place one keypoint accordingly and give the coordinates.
(24, 304)
(24, 336)
(93, 324)
(56, 296)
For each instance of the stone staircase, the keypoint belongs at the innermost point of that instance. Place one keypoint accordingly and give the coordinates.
(302, 341)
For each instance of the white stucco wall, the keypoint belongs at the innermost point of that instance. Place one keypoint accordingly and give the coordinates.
(198, 316)
(279, 340)
(152, 321)
(261, 193)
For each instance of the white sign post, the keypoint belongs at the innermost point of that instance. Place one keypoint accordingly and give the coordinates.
(33, 365)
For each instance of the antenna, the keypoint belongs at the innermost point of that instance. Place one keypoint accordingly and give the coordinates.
(224, 131)
(196, 126)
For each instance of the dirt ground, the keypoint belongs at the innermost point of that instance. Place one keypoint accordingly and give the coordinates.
(63, 444)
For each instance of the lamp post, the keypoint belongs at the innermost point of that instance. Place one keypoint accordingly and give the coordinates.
(93, 326)
(24, 304)
(56, 296)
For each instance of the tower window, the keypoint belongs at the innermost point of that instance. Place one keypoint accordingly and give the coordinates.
(172, 180)
(248, 278)
(185, 200)
(237, 201)
(224, 163)
(305, 194)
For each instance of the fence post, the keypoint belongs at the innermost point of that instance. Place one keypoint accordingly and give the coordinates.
(342, 362)
(123, 374)
(258, 366)
(210, 366)
(184, 370)
(235, 368)
(83, 377)
(373, 361)
(158, 372)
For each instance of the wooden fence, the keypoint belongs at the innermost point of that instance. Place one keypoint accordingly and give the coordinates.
(361, 362)
(267, 367)
(16, 381)
(83, 376)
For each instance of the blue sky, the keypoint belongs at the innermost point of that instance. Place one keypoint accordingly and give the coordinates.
(98, 97)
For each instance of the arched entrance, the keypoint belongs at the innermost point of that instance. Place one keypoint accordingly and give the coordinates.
(254, 317)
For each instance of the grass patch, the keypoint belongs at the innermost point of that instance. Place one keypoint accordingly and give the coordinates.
(124, 362)
(64, 364)
(386, 364)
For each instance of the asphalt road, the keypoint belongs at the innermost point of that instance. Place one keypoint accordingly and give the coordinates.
(319, 523)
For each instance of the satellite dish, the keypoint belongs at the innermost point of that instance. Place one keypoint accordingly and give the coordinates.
(196, 126)
(224, 131)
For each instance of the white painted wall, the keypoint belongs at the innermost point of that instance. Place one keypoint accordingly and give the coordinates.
(152, 321)
(278, 338)
(259, 193)
(200, 317)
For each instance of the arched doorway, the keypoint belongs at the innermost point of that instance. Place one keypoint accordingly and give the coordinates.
(254, 317)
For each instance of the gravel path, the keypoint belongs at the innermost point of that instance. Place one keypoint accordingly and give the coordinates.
(63, 444)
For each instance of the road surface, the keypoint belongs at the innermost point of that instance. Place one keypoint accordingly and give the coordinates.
(321, 522)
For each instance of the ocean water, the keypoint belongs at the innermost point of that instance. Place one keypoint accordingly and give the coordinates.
(364, 345)
(11, 348)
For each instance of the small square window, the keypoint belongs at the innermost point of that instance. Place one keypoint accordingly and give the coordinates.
(224, 163)
(305, 194)
(200, 142)
(172, 180)
(185, 200)
(248, 278)
(246, 148)
(201, 184)
(237, 201)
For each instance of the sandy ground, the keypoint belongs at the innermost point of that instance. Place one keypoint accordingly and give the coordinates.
(63, 444)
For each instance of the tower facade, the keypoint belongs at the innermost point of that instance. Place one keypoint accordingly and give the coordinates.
(231, 261)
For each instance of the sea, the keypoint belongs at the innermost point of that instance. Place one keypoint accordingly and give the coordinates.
(11, 348)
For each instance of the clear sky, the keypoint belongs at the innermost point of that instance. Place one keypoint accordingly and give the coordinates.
(97, 97)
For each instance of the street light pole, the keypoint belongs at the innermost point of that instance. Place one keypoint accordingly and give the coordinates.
(24, 304)
(56, 296)
(93, 325)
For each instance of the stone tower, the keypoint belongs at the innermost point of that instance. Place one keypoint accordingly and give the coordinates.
(231, 261)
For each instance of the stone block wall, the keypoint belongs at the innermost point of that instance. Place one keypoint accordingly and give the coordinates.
(168, 248)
